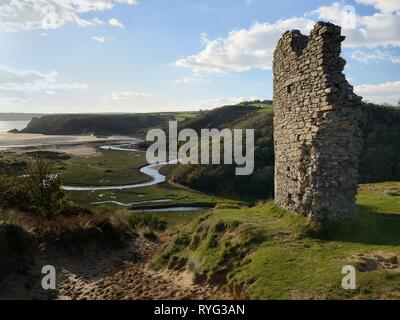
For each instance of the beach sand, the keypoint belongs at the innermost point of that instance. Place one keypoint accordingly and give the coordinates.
(21, 140)
(32, 140)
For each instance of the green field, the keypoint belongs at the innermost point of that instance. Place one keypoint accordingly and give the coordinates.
(180, 116)
(122, 168)
(268, 109)
(264, 107)
(110, 168)
(104, 168)
(266, 253)
(179, 197)
(382, 197)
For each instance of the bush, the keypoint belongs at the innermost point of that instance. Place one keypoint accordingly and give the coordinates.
(44, 189)
(147, 221)
(39, 191)
(15, 249)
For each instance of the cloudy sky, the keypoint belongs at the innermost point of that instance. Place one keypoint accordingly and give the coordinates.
(156, 55)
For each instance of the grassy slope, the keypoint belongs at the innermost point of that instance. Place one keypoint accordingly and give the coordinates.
(219, 118)
(221, 179)
(382, 197)
(180, 116)
(267, 253)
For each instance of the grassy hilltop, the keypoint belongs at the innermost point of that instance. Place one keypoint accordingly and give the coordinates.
(264, 252)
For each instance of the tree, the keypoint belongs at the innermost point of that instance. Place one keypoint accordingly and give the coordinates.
(44, 188)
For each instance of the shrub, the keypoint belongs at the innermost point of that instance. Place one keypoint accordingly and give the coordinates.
(39, 191)
(15, 249)
(147, 221)
(44, 189)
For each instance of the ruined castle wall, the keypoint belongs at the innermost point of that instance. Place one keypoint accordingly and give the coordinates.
(317, 140)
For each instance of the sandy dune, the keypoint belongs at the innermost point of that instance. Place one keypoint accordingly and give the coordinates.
(105, 275)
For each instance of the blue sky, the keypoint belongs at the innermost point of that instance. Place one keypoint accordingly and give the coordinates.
(67, 56)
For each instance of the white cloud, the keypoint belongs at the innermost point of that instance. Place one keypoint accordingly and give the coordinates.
(127, 95)
(380, 93)
(387, 6)
(115, 23)
(18, 15)
(252, 48)
(243, 49)
(28, 81)
(378, 29)
(101, 40)
(376, 55)
(204, 9)
(12, 100)
(98, 21)
(192, 79)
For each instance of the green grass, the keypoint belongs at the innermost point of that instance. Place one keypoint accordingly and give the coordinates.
(383, 197)
(180, 116)
(123, 169)
(118, 168)
(266, 253)
(104, 168)
(266, 109)
(179, 197)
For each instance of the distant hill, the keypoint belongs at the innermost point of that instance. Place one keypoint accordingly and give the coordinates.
(123, 124)
(222, 179)
(257, 103)
(379, 161)
(18, 116)
(219, 118)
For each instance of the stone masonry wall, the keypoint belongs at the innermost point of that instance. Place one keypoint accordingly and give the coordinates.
(317, 139)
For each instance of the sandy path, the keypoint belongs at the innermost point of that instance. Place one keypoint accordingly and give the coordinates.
(125, 275)
(105, 275)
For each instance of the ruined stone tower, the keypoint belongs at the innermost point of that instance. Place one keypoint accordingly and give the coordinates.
(317, 140)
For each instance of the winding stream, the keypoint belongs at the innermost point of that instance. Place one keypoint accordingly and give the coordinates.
(150, 170)
(132, 203)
